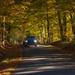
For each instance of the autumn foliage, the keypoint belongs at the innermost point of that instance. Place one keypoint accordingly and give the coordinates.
(10, 56)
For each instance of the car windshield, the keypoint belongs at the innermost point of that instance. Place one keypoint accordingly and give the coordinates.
(31, 37)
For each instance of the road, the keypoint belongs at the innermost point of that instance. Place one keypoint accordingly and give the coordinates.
(45, 60)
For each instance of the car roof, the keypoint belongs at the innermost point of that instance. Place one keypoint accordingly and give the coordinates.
(33, 37)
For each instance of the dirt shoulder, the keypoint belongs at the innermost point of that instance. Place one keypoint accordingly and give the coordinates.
(66, 47)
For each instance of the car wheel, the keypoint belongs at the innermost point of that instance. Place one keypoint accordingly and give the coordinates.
(35, 45)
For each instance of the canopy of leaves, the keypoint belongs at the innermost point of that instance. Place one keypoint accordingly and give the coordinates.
(29, 17)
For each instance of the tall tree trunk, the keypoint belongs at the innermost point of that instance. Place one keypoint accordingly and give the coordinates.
(64, 27)
(48, 29)
(60, 25)
(43, 34)
(62, 21)
(9, 30)
(48, 25)
(3, 31)
(72, 16)
(73, 24)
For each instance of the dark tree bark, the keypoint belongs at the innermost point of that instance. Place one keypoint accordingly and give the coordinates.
(60, 25)
(3, 31)
(64, 27)
(48, 25)
(9, 30)
(73, 24)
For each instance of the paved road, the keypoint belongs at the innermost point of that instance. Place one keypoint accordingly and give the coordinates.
(45, 60)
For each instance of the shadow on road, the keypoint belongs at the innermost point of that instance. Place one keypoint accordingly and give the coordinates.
(45, 61)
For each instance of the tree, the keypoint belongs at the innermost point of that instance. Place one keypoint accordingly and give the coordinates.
(28, 15)
(72, 16)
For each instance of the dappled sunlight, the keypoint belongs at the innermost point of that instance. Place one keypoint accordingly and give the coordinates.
(45, 46)
(46, 72)
(28, 72)
(41, 61)
(9, 64)
(41, 64)
(33, 59)
(49, 67)
(32, 70)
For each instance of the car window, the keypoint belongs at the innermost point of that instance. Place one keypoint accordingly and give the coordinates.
(31, 37)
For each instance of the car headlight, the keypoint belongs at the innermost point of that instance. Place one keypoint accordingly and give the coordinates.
(26, 41)
(35, 40)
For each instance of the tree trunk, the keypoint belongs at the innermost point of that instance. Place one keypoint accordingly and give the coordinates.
(64, 27)
(43, 34)
(73, 24)
(8, 36)
(48, 26)
(3, 31)
(60, 25)
(72, 16)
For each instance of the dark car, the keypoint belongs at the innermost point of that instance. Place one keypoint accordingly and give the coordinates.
(30, 40)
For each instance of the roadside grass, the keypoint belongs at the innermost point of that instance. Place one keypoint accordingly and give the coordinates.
(66, 47)
(10, 60)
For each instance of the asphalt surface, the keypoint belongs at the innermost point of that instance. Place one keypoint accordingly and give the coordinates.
(45, 60)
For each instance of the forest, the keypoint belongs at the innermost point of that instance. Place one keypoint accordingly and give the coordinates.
(49, 20)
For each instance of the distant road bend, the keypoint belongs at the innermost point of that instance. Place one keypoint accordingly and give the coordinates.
(45, 60)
